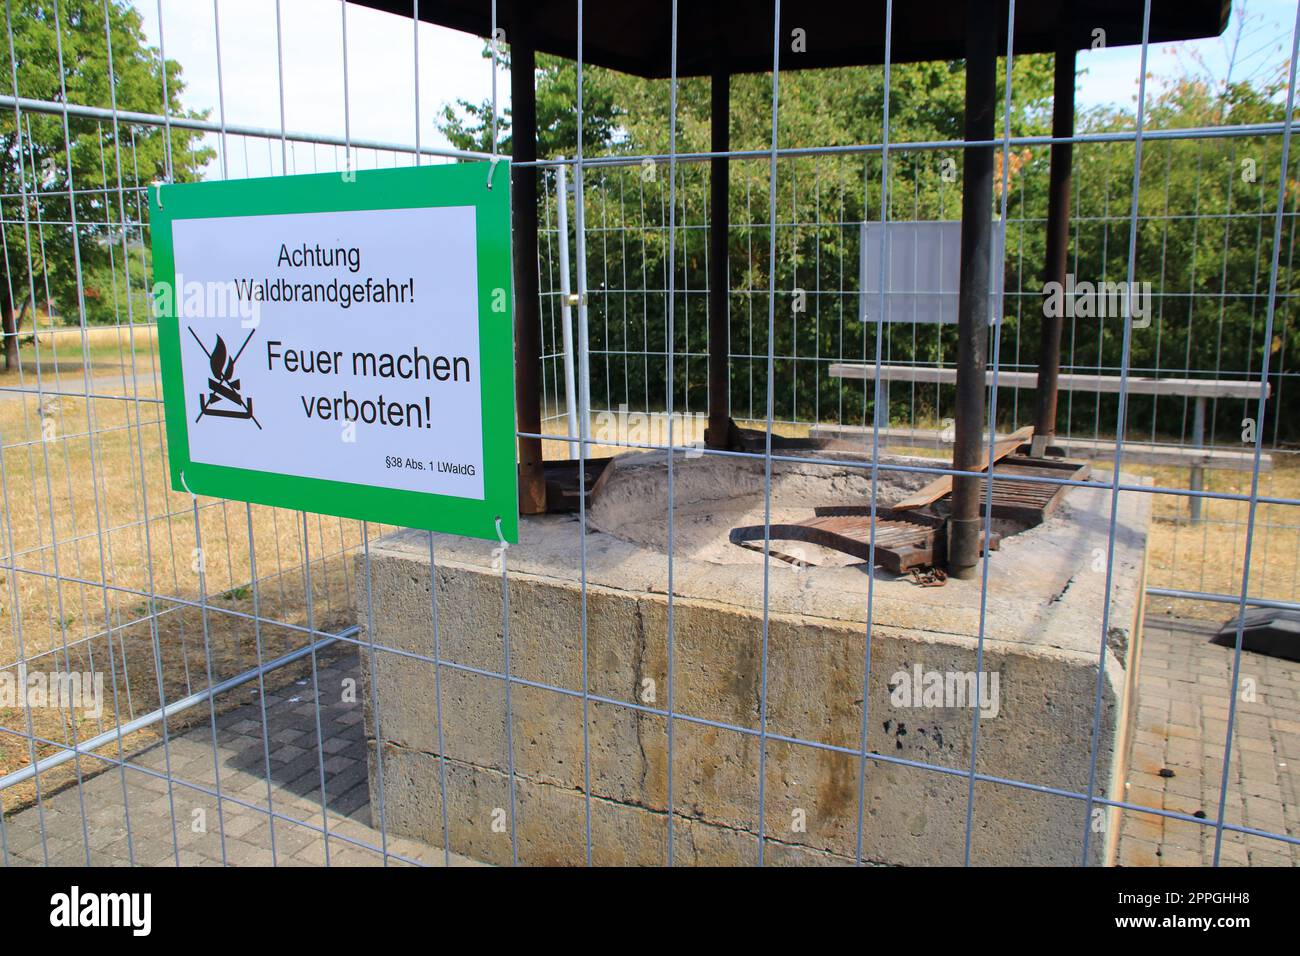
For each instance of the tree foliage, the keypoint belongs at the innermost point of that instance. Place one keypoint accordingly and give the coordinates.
(1204, 235)
(41, 248)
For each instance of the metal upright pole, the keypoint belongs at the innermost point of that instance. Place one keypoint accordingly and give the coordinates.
(719, 427)
(1198, 470)
(1058, 243)
(571, 400)
(523, 199)
(965, 527)
(584, 327)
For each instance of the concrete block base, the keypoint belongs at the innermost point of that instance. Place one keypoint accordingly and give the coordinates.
(1041, 647)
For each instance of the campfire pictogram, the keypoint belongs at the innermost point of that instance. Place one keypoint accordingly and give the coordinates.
(223, 387)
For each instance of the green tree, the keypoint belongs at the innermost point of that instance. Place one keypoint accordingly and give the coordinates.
(1204, 235)
(835, 107)
(469, 125)
(44, 258)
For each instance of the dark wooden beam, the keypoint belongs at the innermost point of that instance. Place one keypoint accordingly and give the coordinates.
(523, 201)
(632, 36)
(1058, 246)
(719, 433)
(964, 544)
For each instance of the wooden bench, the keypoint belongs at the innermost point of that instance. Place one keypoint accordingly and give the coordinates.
(1197, 457)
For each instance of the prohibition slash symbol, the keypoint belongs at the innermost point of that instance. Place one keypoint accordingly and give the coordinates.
(222, 385)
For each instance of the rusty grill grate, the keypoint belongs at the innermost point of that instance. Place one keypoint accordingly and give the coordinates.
(913, 538)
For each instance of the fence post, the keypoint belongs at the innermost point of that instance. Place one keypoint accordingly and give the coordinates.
(566, 292)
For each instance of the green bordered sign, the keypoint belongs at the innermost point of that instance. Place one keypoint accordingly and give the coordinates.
(341, 343)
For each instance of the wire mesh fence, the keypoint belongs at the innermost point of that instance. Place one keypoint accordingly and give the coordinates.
(1220, 285)
(263, 685)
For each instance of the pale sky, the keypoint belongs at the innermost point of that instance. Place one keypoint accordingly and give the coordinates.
(381, 69)
(380, 81)
(1265, 42)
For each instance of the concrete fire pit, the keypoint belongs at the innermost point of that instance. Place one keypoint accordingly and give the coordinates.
(1042, 642)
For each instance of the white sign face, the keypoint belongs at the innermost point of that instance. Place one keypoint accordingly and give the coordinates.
(924, 271)
(354, 338)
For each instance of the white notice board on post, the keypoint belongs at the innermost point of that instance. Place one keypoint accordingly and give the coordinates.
(924, 271)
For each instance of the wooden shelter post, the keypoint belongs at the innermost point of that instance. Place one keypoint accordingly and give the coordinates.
(1058, 244)
(523, 201)
(719, 432)
(965, 529)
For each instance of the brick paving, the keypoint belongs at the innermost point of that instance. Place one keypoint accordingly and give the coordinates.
(1182, 725)
(190, 826)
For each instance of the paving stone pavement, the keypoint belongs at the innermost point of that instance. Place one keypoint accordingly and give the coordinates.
(1182, 726)
(186, 824)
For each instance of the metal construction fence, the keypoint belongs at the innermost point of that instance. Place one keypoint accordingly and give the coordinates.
(207, 624)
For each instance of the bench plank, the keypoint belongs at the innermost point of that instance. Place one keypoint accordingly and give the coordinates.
(1138, 453)
(1137, 385)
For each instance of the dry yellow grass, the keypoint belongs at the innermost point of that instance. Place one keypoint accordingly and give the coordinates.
(1209, 555)
(55, 357)
(86, 601)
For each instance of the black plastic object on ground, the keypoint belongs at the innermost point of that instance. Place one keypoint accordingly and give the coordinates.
(1271, 631)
